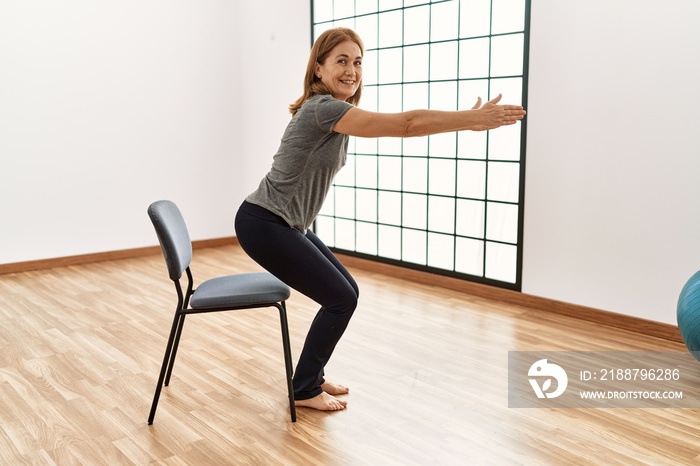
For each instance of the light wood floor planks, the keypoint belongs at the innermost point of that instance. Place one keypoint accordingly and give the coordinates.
(80, 348)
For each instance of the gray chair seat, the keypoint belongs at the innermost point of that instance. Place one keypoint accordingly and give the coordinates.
(239, 290)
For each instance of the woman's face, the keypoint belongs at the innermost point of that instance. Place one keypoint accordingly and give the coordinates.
(342, 70)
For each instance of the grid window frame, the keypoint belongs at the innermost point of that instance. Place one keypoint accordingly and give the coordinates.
(442, 61)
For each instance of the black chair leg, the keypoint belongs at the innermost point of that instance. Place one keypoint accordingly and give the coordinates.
(287, 358)
(180, 325)
(167, 362)
(171, 352)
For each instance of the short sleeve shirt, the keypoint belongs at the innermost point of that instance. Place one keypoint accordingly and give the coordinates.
(309, 156)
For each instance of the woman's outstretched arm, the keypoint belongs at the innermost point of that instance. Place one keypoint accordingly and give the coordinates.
(357, 122)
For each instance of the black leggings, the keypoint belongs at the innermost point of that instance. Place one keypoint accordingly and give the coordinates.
(304, 263)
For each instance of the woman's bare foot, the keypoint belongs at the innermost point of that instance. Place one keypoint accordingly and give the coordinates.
(322, 402)
(334, 388)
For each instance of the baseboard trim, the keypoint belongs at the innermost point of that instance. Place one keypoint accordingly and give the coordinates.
(610, 319)
(105, 256)
(606, 318)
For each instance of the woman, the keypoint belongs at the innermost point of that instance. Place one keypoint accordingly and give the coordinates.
(272, 224)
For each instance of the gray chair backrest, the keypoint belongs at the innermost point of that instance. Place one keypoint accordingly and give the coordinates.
(173, 236)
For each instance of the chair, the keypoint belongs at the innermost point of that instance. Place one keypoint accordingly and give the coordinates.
(232, 292)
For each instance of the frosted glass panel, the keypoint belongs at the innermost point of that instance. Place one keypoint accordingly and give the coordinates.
(413, 247)
(502, 222)
(345, 234)
(345, 202)
(364, 146)
(441, 214)
(471, 145)
(414, 175)
(367, 199)
(415, 147)
(389, 99)
(366, 238)
(415, 210)
(390, 173)
(470, 218)
(504, 144)
(442, 177)
(415, 96)
(441, 251)
(390, 242)
(501, 262)
(443, 96)
(469, 256)
(369, 71)
(508, 16)
(343, 8)
(389, 146)
(474, 59)
(416, 59)
(443, 145)
(323, 11)
(444, 19)
(504, 181)
(471, 179)
(366, 171)
(442, 61)
(390, 65)
(475, 18)
(417, 24)
(389, 208)
(390, 28)
(507, 55)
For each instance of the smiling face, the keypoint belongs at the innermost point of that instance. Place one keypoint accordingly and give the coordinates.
(341, 71)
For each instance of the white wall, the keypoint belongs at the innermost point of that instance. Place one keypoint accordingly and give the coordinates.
(108, 106)
(612, 206)
(104, 108)
(273, 57)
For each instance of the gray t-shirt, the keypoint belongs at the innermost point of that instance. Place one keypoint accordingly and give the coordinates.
(308, 158)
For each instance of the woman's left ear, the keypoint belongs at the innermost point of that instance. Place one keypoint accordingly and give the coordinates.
(317, 71)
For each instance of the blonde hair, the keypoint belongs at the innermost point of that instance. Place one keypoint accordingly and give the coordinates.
(319, 52)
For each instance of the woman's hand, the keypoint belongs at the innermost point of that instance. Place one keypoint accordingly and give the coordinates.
(494, 116)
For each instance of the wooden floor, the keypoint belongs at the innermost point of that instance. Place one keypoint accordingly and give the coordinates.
(80, 348)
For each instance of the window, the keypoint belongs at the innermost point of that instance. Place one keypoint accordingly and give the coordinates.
(450, 203)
